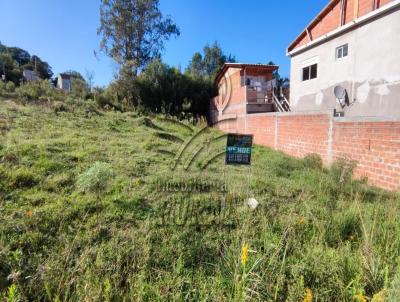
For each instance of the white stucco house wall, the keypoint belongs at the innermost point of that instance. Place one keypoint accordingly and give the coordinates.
(356, 47)
(64, 82)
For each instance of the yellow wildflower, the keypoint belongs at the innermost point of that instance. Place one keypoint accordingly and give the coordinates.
(302, 221)
(308, 296)
(379, 297)
(29, 213)
(245, 254)
(360, 297)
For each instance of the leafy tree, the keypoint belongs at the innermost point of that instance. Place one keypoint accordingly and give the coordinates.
(214, 59)
(196, 65)
(164, 88)
(11, 69)
(208, 63)
(281, 81)
(19, 55)
(133, 31)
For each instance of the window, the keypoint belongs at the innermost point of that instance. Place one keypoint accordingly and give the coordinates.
(310, 72)
(342, 51)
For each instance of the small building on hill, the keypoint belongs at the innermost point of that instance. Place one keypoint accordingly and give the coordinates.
(64, 82)
(30, 76)
(245, 89)
(347, 60)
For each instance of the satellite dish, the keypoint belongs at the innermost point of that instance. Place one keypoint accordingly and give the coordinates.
(341, 95)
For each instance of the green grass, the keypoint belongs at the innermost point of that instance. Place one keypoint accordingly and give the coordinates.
(85, 215)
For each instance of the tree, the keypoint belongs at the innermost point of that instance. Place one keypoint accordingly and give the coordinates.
(208, 64)
(11, 70)
(196, 65)
(134, 31)
(281, 82)
(164, 88)
(19, 55)
(214, 59)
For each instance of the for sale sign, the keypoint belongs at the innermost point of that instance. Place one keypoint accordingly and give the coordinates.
(238, 149)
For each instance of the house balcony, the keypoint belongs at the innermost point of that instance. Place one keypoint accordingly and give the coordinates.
(258, 100)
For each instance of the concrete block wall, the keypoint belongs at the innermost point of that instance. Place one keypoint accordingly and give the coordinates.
(374, 145)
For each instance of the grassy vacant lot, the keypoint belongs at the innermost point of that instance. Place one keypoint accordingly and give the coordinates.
(91, 209)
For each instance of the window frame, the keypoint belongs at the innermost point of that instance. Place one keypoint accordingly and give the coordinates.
(309, 71)
(344, 53)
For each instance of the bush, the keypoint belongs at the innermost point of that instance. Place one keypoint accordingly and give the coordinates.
(96, 178)
(30, 91)
(10, 87)
(342, 170)
(59, 107)
(2, 87)
(313, 161)
(39, 90)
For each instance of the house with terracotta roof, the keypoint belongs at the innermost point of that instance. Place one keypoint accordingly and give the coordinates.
(245, 89)
(346, 62)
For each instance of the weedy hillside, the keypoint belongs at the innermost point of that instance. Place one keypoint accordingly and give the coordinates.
(110, 206)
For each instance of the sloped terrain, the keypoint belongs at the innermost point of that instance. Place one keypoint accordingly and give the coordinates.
(113, 206)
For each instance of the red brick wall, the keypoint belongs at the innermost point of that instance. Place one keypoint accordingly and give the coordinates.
(263, 129)
(299, 135)
(375, 146)
(331, 18)
(330, 22)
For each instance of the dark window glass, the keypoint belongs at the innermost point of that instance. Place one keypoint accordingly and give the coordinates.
(306, 73)
(340, 52)
(345, 50)
(313, 73)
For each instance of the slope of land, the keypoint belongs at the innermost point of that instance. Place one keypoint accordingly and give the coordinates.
(109, 206)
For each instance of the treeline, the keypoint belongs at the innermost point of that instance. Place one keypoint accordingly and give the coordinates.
(162, 88)
(157, 87)
(143, 81)
(13, 60)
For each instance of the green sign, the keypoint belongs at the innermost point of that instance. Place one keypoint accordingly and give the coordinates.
(238, 149)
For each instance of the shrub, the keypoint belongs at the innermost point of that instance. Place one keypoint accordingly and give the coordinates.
(96, 178)
(30, 91)
(342, 170)
(103, 102)
(10, 87)
(2, 87)
(313, 161)
(59, 107)
(38, 90)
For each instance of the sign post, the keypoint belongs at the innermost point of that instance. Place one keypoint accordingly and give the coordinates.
(238, 149)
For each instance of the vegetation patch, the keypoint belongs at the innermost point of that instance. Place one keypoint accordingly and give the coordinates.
(91, 209)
